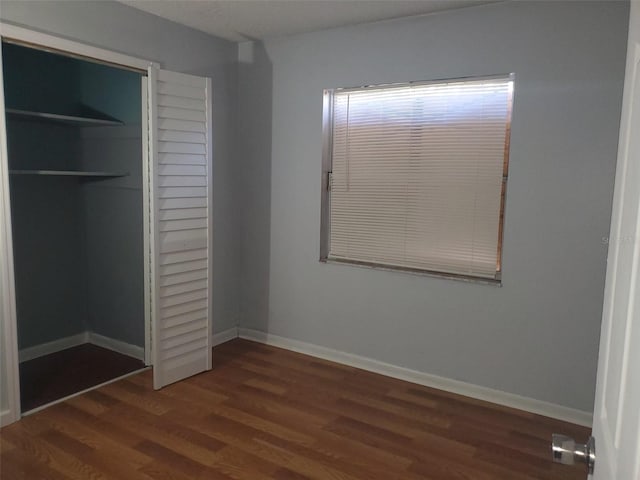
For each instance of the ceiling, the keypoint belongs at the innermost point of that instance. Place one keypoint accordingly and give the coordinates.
(240, 20)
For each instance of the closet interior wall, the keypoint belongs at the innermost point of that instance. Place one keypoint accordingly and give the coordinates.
(113, 209)
(78, 240)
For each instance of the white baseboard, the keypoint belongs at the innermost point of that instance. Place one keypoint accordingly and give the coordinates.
(74, 340)
(224, 336)
(52, 347)
(116, 345)
(454, 386)
(6, 417)
(106, 342)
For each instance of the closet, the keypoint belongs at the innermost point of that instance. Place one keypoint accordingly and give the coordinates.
(75, 157)
(106, 265)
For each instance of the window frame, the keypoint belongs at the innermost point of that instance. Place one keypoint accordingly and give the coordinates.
(327, 163)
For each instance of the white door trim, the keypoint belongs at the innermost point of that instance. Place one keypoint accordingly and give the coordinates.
(146, 220)
(152, 214)
(209, 109)
(61, 45)
(7, 285)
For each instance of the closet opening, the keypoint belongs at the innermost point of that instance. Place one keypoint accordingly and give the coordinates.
(75, 154)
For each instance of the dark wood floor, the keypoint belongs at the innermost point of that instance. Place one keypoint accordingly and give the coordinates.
(266, 413)
(58, 375)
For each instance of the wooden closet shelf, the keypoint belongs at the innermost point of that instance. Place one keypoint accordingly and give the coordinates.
(65, 119)
(68, 173)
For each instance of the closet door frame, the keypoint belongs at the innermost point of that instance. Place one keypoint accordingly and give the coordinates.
(52, 43)
(9, 347)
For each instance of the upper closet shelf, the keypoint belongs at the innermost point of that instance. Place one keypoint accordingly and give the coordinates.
(68, 173)
(65, 119)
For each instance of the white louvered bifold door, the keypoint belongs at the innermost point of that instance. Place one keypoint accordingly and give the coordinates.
(180, 151)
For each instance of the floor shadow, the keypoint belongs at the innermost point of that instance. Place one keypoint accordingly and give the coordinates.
(58, 375)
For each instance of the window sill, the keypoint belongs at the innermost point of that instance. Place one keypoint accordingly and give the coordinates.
(414, 271)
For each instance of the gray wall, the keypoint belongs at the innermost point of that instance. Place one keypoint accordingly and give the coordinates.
(538, 334)
(123, 29)
(254, 151)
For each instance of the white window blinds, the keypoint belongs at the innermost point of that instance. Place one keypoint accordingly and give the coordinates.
(418, 173)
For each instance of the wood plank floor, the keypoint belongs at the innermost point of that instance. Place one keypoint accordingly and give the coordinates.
(58, 375)
(266, 413)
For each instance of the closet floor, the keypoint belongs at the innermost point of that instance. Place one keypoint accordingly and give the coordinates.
(57, 375)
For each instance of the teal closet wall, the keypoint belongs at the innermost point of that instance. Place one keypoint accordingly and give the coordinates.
(113, 208)
(38, 80)
(46, 211)
(78, 243)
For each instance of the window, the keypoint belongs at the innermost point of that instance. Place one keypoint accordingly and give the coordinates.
(415, 175)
